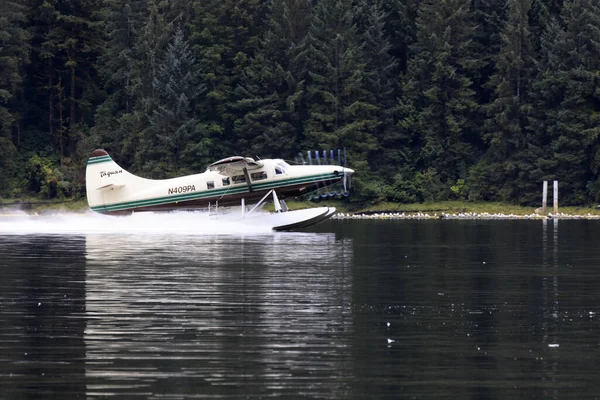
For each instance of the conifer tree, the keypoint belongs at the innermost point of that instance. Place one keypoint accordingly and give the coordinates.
(67, 41)
(401, 28)
(224, 39)
(504, 172)
(119, 66)
(272, 87)
(490, 18)
(381, 83)
(339, 112)
(289, 75)
(568, 91)
(123, 24)
(171, 138)
(133, 127)
(14, 55)
(438, 91)
(542, 13)
(398, 149)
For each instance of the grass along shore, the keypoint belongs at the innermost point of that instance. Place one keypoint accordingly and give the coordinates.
(453, 210)
(384, 210)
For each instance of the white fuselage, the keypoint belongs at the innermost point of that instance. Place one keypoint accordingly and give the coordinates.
(111, 189)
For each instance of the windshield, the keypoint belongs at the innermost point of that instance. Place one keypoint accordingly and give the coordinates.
(281, 167)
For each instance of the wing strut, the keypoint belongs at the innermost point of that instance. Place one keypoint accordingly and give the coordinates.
(248, 179)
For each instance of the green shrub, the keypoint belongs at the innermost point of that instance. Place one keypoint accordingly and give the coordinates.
(459, 189)
(7, 167)
(44, 178)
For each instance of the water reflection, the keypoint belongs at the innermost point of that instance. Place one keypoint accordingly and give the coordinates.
(479, 309)
(42, 307)
(217, 315)
(550, 325)
(422, 309)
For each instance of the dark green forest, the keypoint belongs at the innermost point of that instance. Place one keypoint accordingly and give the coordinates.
(475, 100)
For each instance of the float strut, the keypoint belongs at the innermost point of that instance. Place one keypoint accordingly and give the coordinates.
(276, 202)
(261, 201)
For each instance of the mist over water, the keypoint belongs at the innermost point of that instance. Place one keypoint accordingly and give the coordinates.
(178, 223)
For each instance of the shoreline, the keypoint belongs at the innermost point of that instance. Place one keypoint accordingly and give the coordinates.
(381, 211)
(358, 215)
(462, 216)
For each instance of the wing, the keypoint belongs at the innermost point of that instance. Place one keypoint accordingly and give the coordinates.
(234, 165)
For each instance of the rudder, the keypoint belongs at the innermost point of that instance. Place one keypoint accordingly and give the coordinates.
(102, 173)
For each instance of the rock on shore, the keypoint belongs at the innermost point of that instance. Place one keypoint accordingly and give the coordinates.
(465, 215)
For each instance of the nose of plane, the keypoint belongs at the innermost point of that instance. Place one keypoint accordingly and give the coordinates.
(344, 171)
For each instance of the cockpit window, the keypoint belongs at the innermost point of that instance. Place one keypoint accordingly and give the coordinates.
(281, 167)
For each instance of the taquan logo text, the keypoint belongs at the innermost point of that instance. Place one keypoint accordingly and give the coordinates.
(109, 173)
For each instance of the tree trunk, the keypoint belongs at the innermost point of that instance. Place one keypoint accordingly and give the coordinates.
(50, 101)
(61, 125)
(72, 122)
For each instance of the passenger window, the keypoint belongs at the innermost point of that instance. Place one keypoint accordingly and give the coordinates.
(239, 179)
(210, 185)
(226, 181)
(257, 176)
(278, 170)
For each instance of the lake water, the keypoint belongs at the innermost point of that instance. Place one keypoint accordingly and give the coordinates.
(177, 308)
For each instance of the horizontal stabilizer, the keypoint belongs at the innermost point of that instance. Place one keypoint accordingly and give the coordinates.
(111, 186)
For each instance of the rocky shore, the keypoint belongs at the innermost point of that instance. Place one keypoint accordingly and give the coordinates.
(465, 215)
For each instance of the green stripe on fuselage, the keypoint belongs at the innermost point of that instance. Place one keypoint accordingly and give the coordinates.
(98, 160)
(212, 193)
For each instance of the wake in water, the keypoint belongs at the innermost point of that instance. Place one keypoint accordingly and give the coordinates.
(181, 222)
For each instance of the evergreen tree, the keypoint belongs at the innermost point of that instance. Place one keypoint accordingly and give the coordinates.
(490, 19)
(289, 75)
(152, 41)
(14, 54)
(401, 28)
(504, 172)
(438, 91)
(132, 127)
(67, 41)
(272, 87)
(339, 111)
(542, 13)
(124, 20)
(171, 142)
(568, 92)
(119, 68)
(381, 84)
(225, 36)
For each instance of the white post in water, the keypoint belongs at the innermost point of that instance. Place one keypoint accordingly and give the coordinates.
(555, 197)
(544, 196)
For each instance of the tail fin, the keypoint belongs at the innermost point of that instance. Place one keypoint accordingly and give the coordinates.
(102, 174)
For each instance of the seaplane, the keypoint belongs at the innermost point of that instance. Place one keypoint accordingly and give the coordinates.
(233, 183)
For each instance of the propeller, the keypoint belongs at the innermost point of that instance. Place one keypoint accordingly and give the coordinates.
(322, 158)
(302, 158)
